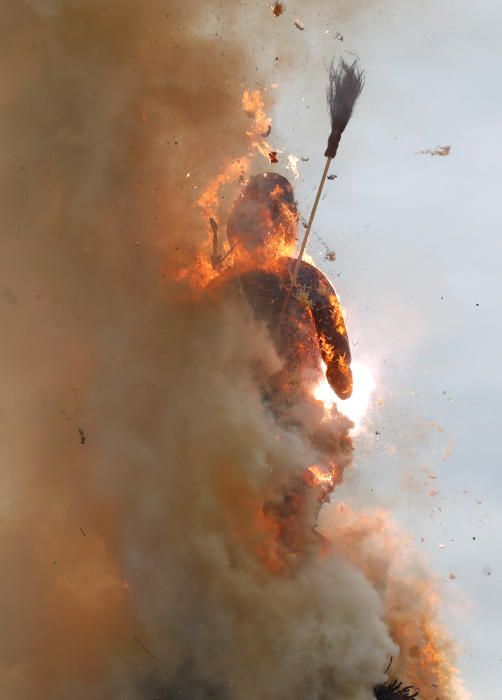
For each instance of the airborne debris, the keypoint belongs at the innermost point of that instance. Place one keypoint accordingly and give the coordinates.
(329, 254)
(299, 25)
(339, 36)
(267, 131)
(332, 177)
(273, 157)
(277, 9)
(438, 151)
(304, 159)
(83, 437)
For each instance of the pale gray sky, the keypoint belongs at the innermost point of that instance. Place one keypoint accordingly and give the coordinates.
(419, 258)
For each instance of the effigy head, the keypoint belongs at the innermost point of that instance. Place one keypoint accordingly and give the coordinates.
(265, 215)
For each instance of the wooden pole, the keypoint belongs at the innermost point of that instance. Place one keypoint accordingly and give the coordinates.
(313, 212)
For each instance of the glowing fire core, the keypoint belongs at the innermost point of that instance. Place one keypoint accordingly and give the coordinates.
(356, 407)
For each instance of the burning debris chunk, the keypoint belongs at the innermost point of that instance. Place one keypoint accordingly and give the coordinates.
(440, 151)
(299, 25)
(277, 9)
(273, 157)
(329, 255)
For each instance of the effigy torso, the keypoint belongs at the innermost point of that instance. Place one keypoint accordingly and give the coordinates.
(303, 317)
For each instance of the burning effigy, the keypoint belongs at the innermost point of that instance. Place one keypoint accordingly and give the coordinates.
(181, 396)
(300, 313)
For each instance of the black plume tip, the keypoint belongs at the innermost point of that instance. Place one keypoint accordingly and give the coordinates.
(346, 81)
(395, 690)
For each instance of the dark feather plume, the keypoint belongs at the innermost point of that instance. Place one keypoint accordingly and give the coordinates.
(346, 82)
(394, 690)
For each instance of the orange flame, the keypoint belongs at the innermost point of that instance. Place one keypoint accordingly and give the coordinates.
(202, 271)
(252, 104)
(321, 476)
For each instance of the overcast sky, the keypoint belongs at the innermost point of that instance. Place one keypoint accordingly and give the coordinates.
(419, 255)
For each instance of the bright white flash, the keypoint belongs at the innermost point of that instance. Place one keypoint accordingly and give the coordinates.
(356, 407)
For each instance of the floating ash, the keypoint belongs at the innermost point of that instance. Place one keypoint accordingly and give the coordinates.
(277, 8)
(440, 151)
